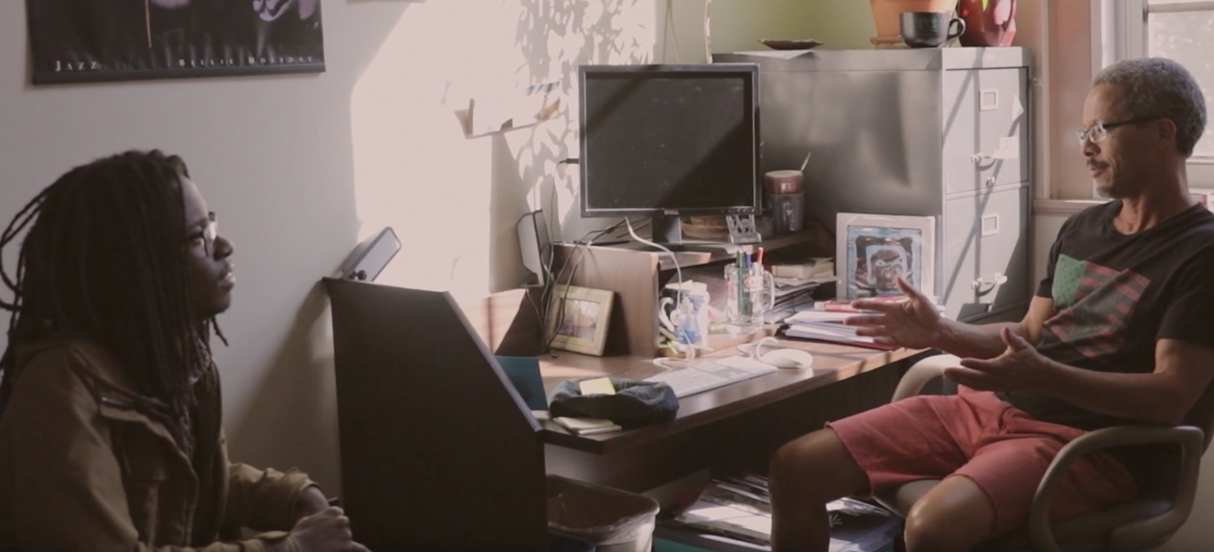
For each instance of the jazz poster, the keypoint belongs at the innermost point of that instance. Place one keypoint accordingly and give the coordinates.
(75, 41)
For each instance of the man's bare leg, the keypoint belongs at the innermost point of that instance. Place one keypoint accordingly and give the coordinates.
(955, 515)
(806, 474)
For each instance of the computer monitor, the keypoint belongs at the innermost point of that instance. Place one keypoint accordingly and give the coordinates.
(669, 140)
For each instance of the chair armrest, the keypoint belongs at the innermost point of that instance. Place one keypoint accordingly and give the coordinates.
(921, 372)
(1139, 535)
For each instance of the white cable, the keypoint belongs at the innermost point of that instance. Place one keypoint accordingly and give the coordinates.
(670, 29)
(678, 296)
(664, 363)
(707, 32)
(631, 232)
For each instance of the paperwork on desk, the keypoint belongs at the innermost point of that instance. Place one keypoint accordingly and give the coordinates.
(827, 326)
(740, 508)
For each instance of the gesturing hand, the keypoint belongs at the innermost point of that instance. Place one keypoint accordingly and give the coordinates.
(1019, 367)
(328, 530)
(310, 501)
(913, 323)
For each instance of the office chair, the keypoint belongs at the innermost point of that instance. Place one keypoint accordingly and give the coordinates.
(1142, 524)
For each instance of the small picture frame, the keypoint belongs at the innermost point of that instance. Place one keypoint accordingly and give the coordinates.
(873, 250)
(578, 318)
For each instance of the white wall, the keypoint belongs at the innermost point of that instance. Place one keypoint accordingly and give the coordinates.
(300, 168)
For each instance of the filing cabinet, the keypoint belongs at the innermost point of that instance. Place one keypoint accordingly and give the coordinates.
(928, 132)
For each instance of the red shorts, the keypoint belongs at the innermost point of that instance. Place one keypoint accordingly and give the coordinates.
(977, 435)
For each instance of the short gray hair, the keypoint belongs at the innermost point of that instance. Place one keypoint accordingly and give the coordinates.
(1160, 87)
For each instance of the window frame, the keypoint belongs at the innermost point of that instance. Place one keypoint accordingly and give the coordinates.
(1121, 33)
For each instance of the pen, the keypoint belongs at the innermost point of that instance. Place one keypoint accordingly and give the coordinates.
(759, 260)
(742, 285)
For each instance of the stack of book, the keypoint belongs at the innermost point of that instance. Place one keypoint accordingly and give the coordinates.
(825, 322)
(824, 325)
(796, 284)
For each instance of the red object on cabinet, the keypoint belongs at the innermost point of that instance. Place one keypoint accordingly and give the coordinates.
(993, 26)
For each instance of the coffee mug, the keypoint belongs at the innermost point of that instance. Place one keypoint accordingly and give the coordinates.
(929, 29)
(787, 212)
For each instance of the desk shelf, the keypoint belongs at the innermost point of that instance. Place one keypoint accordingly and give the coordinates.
(636, 276)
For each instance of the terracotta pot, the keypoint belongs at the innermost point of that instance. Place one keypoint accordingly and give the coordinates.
(887, 13)
(994, 26)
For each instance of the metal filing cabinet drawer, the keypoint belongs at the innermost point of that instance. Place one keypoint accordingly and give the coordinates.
(985, 252)
(985, 129)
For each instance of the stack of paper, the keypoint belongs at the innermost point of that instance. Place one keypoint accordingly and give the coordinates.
(740, 508)
(736, 507)
(587, 426)
(827, 326)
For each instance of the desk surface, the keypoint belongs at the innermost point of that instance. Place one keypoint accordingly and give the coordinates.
(831, 363)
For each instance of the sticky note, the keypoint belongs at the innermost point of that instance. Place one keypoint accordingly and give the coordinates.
(597, 386)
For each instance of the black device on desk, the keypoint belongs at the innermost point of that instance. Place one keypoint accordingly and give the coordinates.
(669, 140)
(438, 451)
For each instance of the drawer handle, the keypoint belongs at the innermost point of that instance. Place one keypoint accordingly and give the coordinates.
(984, 286)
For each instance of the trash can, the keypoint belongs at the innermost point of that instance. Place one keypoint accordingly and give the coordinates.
(613, 520)
(564, 543)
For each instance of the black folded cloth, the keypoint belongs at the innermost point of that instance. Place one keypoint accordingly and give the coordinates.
(635, 403)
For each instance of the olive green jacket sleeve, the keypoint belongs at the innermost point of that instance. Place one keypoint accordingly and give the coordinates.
(67, 488)
(263, 500)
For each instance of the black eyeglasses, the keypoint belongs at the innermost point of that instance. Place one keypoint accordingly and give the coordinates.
(1099, 131)
(207, 234)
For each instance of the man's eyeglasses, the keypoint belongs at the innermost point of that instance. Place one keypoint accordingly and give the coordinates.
(207, 234)
(1099, 131)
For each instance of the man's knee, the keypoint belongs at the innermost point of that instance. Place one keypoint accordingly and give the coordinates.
(925, 530)
(817, 466)
(956, 515)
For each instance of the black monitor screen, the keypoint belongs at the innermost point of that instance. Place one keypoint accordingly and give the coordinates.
(669, 139)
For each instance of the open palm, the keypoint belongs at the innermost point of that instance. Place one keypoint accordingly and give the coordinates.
(913, 323)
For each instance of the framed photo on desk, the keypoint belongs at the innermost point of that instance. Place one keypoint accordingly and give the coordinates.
(874, 250)
(578, 317)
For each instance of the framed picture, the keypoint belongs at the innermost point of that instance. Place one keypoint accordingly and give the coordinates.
(578, 317)
(874, 250)
(120, 40)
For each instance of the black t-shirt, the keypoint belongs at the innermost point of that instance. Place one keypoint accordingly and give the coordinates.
(1115, 295)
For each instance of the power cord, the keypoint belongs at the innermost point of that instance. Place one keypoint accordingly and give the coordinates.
(581, 245)
(670, 27)
(678, 296)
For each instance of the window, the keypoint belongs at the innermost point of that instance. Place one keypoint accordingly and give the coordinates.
(1182, 30)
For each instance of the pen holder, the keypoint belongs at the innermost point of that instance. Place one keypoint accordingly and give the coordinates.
(749, 294)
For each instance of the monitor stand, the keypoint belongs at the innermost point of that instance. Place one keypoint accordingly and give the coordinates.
(667, 231)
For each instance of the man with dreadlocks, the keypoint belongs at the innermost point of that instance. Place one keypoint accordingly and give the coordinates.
(110, 415)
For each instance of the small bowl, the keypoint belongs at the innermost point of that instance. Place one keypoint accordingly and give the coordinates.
(781, 44)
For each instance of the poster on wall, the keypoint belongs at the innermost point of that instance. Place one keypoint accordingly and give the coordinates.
(117, 40)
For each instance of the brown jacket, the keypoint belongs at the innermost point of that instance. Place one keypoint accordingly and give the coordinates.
(87, 464)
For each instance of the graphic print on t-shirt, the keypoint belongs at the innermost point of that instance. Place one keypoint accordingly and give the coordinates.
(1094, 306)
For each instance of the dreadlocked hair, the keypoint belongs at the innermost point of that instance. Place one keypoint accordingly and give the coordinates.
(105, 256)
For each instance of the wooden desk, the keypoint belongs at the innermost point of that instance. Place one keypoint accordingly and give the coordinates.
(425, 413)
(737, 426)
(832, 363)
